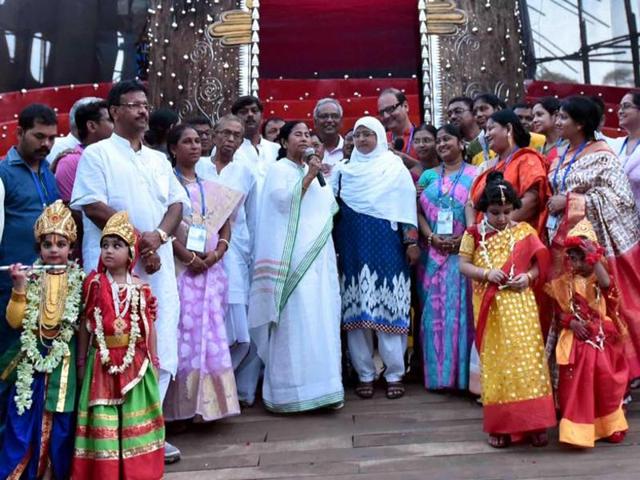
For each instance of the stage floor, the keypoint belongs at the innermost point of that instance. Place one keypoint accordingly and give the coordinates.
(421, 436)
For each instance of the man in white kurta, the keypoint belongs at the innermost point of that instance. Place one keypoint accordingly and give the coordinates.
(256, 151)
(238, 259)
(120, 173)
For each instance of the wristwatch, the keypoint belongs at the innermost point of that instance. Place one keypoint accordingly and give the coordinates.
(164, 238)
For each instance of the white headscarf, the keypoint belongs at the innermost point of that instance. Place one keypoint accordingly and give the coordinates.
(377, 183)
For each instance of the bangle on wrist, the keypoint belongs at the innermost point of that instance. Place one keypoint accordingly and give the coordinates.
(225, 241)
(429, 239)
(193, 259)
(530, 277)
(164, 238)
(485, 275)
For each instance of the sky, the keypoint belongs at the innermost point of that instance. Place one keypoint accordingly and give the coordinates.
(556, 32)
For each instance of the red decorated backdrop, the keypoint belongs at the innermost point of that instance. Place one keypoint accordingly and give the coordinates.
(360, 38)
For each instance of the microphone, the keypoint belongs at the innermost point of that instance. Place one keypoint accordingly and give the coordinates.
(398, 144)
(306, 156)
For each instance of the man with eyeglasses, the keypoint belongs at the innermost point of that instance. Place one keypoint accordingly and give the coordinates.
(121, 173)
(460, 114)
(393, 111)
(224, 167)
(259, 152)
(202, 125)
(327, 123)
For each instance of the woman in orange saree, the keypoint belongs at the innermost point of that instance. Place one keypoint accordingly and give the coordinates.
(523, 167)
(588, 182)
(504, 258)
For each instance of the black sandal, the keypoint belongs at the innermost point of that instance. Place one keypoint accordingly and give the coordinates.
(395, 390)
(364, 390)
(539, 439)
(499, 441)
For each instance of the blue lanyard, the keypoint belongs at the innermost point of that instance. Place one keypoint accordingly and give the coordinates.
(183, 181)
(507, 161)
(407, 147)
(455, 182)
(624, 145)
(566, 170)
(41, 188)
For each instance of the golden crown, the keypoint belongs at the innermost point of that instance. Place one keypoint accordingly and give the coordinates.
(120, 226)
(56, 218)
(583, 229)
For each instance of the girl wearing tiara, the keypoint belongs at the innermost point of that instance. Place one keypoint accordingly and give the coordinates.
(504, 259)
(120, 432)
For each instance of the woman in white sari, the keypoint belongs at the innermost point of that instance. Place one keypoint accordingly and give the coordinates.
(294, 306)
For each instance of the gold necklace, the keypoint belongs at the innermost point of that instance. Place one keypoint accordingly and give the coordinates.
(52, 299)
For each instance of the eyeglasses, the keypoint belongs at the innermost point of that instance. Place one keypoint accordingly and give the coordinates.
(230, 134)
(389, 110)
(136, 105)
(457, 111)
(364, 134)
(329, 116)
(627, 106)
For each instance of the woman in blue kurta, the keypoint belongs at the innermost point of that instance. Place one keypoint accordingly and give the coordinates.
(375, 236)
(447, 320)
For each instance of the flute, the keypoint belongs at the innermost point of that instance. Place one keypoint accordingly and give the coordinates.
(6, 268)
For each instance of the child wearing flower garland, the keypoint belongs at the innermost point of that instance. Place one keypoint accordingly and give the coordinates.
(120, 432)
(593, 370)
(504, 258)
(45, 305)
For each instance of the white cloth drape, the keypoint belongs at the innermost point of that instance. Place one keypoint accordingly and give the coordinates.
(377, 184)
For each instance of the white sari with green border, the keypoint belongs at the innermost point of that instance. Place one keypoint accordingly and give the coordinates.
(294, 306)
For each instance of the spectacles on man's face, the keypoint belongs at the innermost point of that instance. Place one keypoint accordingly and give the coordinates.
(627, 106)
(456, 112)
(388, 110)
(136, 105)
(230, 134)
(329, 116)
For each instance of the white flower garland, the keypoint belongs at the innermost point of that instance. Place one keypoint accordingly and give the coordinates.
(484, 251)
(32, 361)
(134, 334)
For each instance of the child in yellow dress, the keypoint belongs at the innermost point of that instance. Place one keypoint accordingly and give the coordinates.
(504, 258)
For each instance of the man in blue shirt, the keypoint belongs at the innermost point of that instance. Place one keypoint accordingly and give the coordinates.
(29, 187)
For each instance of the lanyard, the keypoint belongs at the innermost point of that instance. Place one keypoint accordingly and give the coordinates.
(566, 170)
(183, 181)
(407, 147)
(624, 146)
(453, 186)
(507, 161)
(485, 149)
(40, 188)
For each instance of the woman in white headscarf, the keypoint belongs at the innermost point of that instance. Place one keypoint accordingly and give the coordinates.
(376, 239)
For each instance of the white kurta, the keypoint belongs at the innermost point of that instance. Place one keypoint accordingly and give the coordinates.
(143, 184)
(237, 261)
(61, 144)
(258, 158)
(300, 341)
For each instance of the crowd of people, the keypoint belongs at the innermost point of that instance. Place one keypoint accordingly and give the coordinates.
(179, 265)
